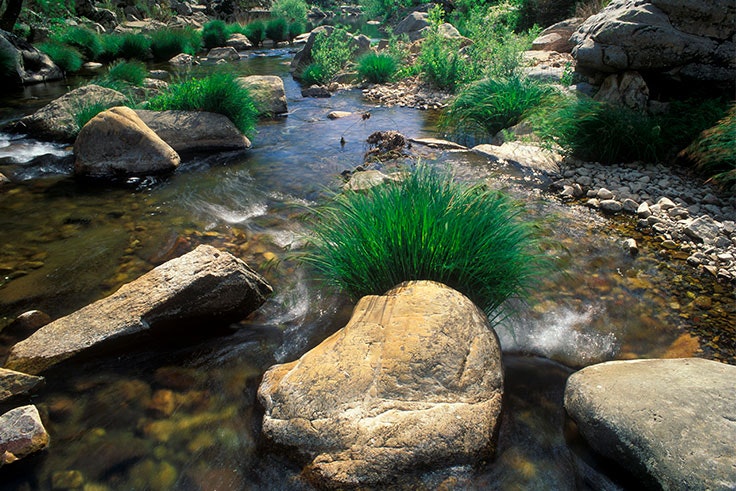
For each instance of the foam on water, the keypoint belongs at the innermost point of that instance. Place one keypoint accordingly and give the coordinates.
(22, 150)
(560, 335)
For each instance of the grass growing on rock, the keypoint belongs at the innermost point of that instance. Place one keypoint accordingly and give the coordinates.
(714, 152)
(427, 227)
(217, 93)
(377, 68)
(85, 40)
(67, 58)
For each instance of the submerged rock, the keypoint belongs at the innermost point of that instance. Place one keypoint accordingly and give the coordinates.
(413, 380)
(117, 143)
(21, 434)
(268, 93)
(203, 284)
(14, 383)
(672, 422)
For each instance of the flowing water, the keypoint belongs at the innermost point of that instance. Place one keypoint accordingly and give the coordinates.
(182, 413)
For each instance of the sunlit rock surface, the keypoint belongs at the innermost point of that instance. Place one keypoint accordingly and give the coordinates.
(414, 379)
(21, 434)
(672, 422)
(203, 284)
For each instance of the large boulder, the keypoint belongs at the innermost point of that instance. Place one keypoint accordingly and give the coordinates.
(360, 44)
(190, 132)
(524, 155)
(203, 285)
(413, 380)
(30, 65)
(21, 433)
(268, 93)
(557, 36)
(117, 143)
(412, 25)
(14, 383)
(55, 121)
(685, 39)
(670, 422)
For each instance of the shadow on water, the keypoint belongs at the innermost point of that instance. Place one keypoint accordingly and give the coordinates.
(180, 412)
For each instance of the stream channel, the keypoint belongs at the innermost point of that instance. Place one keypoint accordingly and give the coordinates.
(181, 412)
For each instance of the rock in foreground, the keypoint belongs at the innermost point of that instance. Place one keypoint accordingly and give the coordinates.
(414, 379)
(672, 422)
(268, 93)
(21, 434)
(204, 284)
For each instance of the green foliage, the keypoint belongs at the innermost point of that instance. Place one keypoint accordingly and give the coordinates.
(488, 106)
(132, 72)
(277, 30)
(167, 43)
(439, 59)
(86, 111)
(714, 151)
(314, 74)
(427, 227)
(255, 32)
(214, 34)
(383, 9)
(377, 68)
(85, 40)
(295, 28)
(67, 58)
(292, 10)
(332, 52)
(111, 44)
(218, 93)
(134, 47)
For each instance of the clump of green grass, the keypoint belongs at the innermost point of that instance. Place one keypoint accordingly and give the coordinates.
(65, 57)
(111, 44)
(295, 28)
(167, 43)
(85, 40)
(214, 34)
(314, 74)
(86, 111)
(218, 93)
(377, 68)
(132, 72)
(488, 106)
(255, 32)
(714, 151)
(277, 30)
(427, 227)
(134, 47)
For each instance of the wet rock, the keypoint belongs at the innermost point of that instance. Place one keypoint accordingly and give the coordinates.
(177, 378)
(117, 143)
(227, 53)
(413, 380)
(62, 480)
(268, 93)
(14, 383)
(668, 421)
(631, 247)
(205, 283)
(239, 42)
(438, 143)
(55, 121)
(163, 403)
(524, 155)
(29, 322)
(191, 132)
(21, 434)
(316, 91)
(338, 114)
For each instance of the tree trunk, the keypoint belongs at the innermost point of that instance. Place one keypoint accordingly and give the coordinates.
(12, 11)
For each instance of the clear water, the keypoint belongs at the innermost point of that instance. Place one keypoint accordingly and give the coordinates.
(181, 413)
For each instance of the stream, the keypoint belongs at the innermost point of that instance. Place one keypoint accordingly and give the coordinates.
(182, 413)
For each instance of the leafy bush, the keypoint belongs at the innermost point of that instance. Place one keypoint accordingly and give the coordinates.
(332, 52)
(167, 43)
(714, 151)
(439, 59)
(427, 227)
(134, 47)
(314, 74)
(292, 10)
(255, 32)
(377, 68)
(384, 9)
(214, 34)
(277, 30)
(218, 93)
(486, 107)
(132, 72)
(66, 57)
(295, 28)
(85, 40)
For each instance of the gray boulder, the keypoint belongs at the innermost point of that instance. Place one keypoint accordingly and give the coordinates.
(21, 433)
(684, 39)
(413, 380)
(412, 25)
(117, 143)
(670, 422)
(55, 121)
(190, 132)
(268, 93)
(14, 383)
(227, 53)
(30, 66)
(624, 89)
(203, 284)
(239, 42)
(557, 36)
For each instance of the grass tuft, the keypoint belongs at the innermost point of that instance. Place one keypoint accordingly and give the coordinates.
(214, 34)
(255, 32)
(85, 40)
(427, 227)
(86, 111)
(217, 93)
(65, 57)
(714, 151)
(167, 43)
(277, 30)
(132, 72)
(377, 68)
(134, 47)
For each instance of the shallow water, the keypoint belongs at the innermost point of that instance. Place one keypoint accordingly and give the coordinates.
(181, 413)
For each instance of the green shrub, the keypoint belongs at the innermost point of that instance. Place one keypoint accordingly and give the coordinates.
(314, 74)
(218, 93)
(439, 58)
(132, 72)
(332, 52)
(214, 34)
(111, 44)
(714, 151)
(255, 32)
(277, 30)
(383, 9)
(167, 43)
(295, 28)
(488, 106)
(427, 227)
(377, 68)
(134, 47)
(85, 40)
(292, 10)
(67, 58)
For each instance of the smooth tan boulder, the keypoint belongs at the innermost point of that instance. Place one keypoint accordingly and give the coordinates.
(205, 284)
(117, 143)
(413, 380)
(268, 93)
(21, 433)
